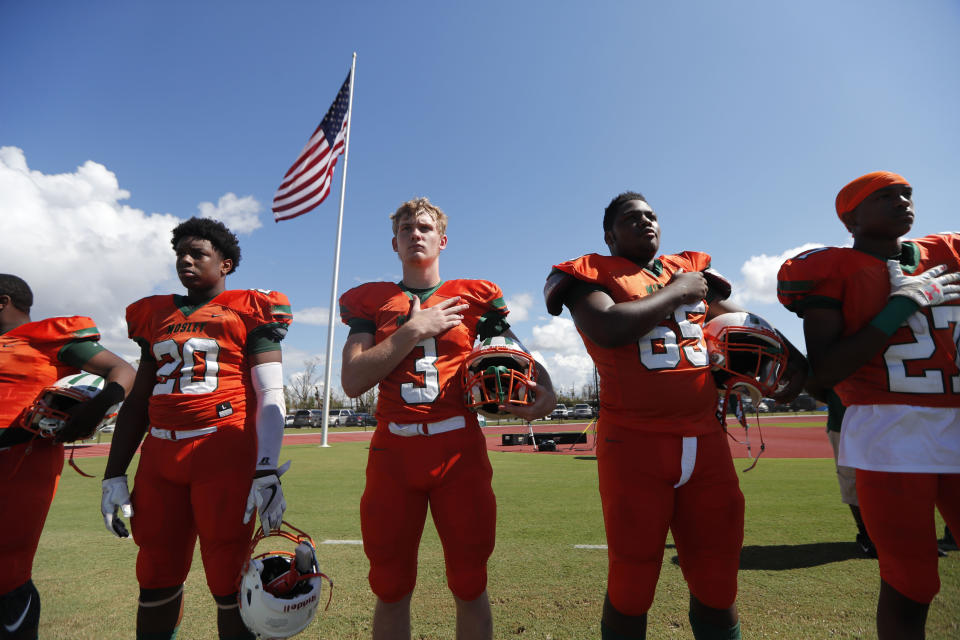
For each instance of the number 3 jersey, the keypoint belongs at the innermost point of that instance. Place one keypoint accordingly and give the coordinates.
(661, 383)
(426, 386)
(919, 364)
(202, 353)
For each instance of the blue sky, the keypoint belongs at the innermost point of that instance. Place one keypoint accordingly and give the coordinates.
(739, 121)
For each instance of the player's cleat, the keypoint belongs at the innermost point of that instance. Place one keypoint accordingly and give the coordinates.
(866, 545)
(948, 542)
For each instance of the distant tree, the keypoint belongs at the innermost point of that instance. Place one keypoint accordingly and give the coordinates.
(304, 389)
(366, 402)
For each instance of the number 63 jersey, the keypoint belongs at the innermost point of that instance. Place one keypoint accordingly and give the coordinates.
(426, 386)
(201, 353)
(661, 383)
(919, 364)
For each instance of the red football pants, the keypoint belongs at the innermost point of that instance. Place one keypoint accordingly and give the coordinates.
(898, 511)
(640, 504)
(25, 499)
(194, 488)
(451, 473)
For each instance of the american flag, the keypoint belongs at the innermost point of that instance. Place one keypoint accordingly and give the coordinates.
(307, 182)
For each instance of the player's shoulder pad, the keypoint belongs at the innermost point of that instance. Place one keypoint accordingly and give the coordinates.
(555, 290)
(950, 239)
(263, 304)
(363, 300)
(719, 286)
(813, 261)
(482, 292)
(140, 312)
(816, 273)
(64, 329)
(698, 260)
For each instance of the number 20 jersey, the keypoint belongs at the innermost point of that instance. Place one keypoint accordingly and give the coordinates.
(919, 364)
(203, 372)
(662, 383)
(426, 386)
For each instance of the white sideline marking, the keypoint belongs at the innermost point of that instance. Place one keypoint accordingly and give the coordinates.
(342, 542)
(589, 546)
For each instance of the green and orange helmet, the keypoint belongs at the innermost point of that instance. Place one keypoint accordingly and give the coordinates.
(747, 355)
(498, 372)
(53, 407)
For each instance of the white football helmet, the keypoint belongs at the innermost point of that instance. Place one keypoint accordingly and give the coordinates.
(51, 410)
(498, 371)
(746, 353)
(280, 590)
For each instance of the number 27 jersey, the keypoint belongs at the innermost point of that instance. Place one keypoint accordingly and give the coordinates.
(919, 364)
(202, 353)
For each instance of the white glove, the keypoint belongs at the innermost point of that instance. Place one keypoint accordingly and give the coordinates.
(929, 289)
(266, 496)
(116, 497)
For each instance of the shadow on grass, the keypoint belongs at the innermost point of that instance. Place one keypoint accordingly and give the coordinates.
(584, 457)
(779, 557)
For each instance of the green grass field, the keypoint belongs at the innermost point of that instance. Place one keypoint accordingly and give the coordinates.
(801, 575)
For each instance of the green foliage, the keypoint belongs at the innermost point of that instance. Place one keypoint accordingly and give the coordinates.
(801, 575)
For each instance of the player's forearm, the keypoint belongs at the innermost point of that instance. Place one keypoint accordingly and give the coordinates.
(132, 421)
(127, 436)
(363, 368)
(616, 324)
(832, 356)
(846, 356)
(267, 379)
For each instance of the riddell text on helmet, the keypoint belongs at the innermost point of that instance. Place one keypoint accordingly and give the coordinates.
(299, 605)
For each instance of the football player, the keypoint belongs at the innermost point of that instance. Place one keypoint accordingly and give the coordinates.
(846, 476)
(208, 396)
(411, 338)
(33, 356)
(662, 456)
(881, 324)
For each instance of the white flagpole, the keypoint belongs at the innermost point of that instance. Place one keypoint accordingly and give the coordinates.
(336, 264)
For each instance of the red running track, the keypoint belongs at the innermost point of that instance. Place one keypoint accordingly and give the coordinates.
(806, 440)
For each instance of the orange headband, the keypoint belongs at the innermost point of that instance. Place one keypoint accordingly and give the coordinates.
(854, 193)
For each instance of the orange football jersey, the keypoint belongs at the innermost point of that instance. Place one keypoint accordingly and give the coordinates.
(426, 386)
(663, 382)
(915, 368)
(29, 360)
(203, 373)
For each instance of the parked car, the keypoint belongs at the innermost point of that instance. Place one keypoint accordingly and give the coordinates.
(582, 411)
(560, 412)
(288, 419)
(307, 418)
(338, 417)
(360, 420)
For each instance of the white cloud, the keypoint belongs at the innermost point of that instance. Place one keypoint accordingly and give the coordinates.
(519, 306)
(558, 335)
(318, 316)
(240, 214)
(570, 372)
(558, 346)
(81, 249)
(759, 273)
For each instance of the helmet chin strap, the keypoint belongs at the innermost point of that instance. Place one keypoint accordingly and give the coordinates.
(73, 464)
(737, 404)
